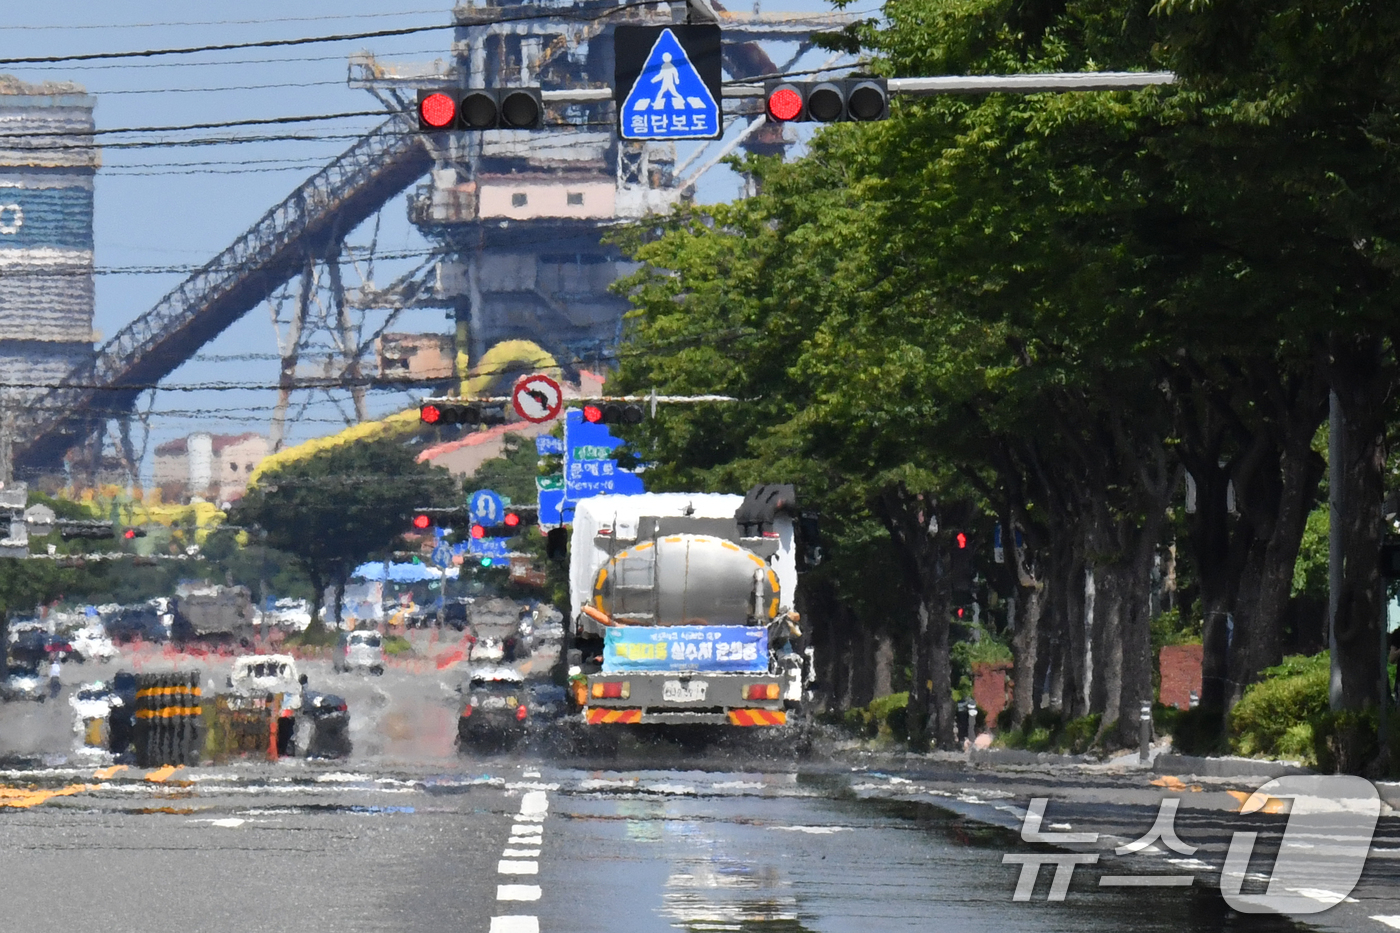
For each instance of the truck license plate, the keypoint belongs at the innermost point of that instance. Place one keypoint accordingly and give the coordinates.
(673, 691)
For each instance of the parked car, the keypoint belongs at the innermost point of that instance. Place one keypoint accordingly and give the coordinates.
(454, 614)
(92, 644)
(126, 625)
(359, 651)
(25, 683)
(495, 711)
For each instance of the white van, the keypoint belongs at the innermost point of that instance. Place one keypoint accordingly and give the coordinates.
(359, 651)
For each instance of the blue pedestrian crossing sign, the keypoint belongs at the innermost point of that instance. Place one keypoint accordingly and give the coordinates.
(668, 82)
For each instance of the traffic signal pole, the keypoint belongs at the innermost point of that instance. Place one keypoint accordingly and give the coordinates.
(944, 84)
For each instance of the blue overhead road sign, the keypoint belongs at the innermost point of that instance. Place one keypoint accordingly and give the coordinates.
(486, 508)
(668, 79)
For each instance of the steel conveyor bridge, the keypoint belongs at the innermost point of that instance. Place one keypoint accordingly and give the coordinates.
(320, 211)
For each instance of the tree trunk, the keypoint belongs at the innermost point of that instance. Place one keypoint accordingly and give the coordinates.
(340, 598)
(913, 525)
(1107, 636)
(1302, 469)
(1026, 637)
(1067, 596)
(318, 587)
(1218, 577)
(1361, 381)
(943, 728)
(920, 710)
(1135, 686)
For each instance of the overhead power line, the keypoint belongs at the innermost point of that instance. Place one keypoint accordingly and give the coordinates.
(223, 22)
(223, 124)
(298, 60)
(226, 87)
(553, 14)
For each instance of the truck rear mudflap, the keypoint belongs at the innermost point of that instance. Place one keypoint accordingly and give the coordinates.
(596, 715)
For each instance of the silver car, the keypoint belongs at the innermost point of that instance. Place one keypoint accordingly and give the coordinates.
(359, 651)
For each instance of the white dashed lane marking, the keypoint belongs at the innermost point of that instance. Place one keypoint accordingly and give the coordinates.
(525, 830)
(515, 924)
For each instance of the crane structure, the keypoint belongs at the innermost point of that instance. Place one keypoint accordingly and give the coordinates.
(518, 221)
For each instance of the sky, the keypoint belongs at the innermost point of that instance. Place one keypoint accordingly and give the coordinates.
(162, 209)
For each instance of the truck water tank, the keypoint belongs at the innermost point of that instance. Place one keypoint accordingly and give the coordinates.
(685, 580)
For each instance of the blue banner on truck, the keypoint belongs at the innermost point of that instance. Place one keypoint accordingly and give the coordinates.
(732, 648)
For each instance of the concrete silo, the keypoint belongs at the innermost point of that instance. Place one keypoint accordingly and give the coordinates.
(47, 164)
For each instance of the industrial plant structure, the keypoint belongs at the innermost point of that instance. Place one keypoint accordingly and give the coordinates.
(518, 220)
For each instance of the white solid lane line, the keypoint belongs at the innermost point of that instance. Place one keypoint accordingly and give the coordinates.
(515, 924)
(517, 892)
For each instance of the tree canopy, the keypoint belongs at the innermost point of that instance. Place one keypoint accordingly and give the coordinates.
(341, 507)
(1040, 312)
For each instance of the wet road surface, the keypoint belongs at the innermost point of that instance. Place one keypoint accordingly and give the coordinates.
(517, 845)
(408, 834)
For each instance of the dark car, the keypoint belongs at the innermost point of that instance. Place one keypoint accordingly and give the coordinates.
(143, 622)
(495, 709)
(30, 648)
(454, 614)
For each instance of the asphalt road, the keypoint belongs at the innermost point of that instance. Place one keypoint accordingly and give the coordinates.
(514, 844)
(408, 833)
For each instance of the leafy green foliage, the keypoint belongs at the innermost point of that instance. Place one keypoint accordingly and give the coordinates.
(512, 474)
(883, 716)
(26, 584)
(341, 507)
(1276, 716)
(1310, 570)
(1046, 731)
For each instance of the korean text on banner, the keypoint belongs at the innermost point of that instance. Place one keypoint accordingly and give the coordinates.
(720, 648)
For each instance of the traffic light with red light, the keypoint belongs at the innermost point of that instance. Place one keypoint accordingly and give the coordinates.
(861, 100)
(514, 522)
(133, 533)
(504, 108)
(612, 413)
(425, 520)
(469, 413)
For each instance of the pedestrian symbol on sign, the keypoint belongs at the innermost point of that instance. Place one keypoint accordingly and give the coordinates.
(669, 99)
